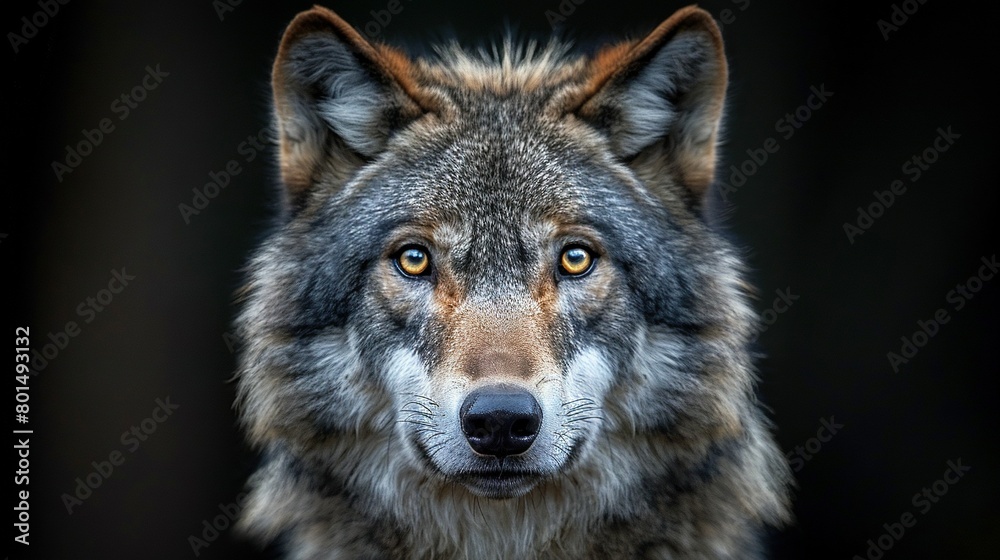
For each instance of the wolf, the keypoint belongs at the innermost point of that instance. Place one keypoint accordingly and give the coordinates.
(494, 319)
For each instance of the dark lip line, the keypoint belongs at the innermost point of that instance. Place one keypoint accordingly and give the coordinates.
(498, 475)
(474, 474)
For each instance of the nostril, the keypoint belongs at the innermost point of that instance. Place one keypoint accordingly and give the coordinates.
(524, 427)
(500, 420)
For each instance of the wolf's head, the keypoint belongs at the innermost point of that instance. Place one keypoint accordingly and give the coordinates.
(496, 266)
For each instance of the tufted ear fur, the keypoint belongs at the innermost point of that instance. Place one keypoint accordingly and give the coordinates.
(660, 99)
(337, 97)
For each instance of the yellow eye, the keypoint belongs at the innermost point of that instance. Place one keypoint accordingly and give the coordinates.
(576, 261)
(413, 261)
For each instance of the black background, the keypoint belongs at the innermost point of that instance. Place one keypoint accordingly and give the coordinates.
(826, 356)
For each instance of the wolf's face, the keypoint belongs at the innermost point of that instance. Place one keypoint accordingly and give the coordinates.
(490, 267)
(493, 303)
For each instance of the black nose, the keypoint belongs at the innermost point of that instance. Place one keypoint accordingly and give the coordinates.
(500, 420)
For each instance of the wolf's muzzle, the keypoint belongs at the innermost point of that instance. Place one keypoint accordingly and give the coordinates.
(500, 420)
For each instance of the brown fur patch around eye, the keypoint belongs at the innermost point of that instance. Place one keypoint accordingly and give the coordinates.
(545, 293)
(448, 294)
(395, 291)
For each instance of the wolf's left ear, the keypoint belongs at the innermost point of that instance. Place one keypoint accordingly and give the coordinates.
(338, 98)
(660, 99)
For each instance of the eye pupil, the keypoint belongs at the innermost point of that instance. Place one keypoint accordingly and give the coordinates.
(414, 257)
(576, 256)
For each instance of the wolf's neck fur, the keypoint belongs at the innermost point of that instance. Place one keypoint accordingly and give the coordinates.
(419, 516)
(440, 518)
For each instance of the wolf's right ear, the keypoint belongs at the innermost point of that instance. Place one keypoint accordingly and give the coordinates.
(659, 100)
(338, 98)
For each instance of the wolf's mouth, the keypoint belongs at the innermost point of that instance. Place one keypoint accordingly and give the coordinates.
(499, 485)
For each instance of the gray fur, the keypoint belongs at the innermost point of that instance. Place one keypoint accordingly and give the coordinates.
(651, 445)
